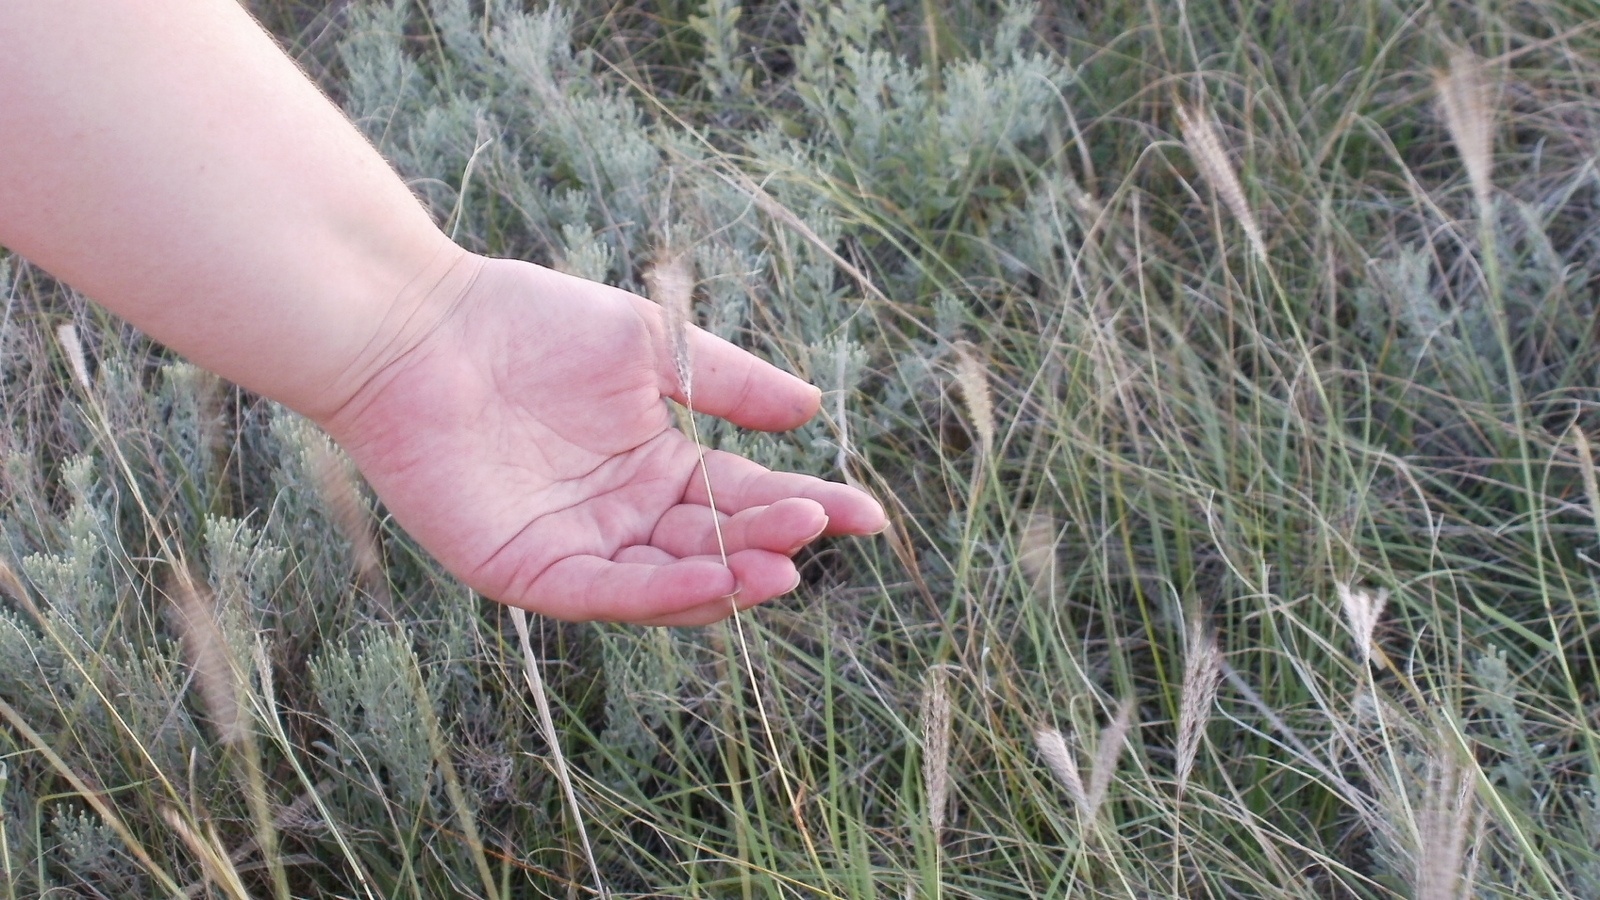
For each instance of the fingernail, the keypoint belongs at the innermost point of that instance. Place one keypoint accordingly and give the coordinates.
(794, 584)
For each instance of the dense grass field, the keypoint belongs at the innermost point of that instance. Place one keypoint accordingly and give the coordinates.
(1229, 370)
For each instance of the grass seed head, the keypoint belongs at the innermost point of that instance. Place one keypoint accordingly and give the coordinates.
(1112, 739)
(1036, 553)
(973, 377)
(670, 282)
(1447, 823)
(207, 649)
(936, 716)
(68, 336)
(1591, 485)
(1062, 762)
(337, 487)
(1205, 148)
(1362, 609)
(1468, 114)
(1202, 672)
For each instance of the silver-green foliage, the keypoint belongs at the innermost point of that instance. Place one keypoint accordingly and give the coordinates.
(374, 696)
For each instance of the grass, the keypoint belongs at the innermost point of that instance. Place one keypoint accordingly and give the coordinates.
(1175, 336)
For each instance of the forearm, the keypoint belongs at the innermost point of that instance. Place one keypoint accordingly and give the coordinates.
(169, 161)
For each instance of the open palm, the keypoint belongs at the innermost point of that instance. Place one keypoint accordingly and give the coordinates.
(525, 442)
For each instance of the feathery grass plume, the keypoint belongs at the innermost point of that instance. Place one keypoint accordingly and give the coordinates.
(936, 747)
(1591, 488)
(1447, 822)
(207, 649)
(218, 676)
(1202, 673)
(1205, 148)
(1036, 553)
(670, 281)
(337, 487)
(1362, 609)
(973, 377)
(1106, 753)
(1063, 763)
(68, 336)
(1469, 117)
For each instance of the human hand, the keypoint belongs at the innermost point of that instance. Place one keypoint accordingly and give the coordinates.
(522, 439)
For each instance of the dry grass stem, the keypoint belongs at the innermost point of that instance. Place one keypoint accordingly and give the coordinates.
(1062, 762)
(11, 586)
(217, 864)
(558, 759)
(936, 717)
(1362, 610)
(671, 285)
(1468, 114)
(972, 375)
(1204, 144)
(304, 815)
(68, 336)
(1202, 673)
(203, 642)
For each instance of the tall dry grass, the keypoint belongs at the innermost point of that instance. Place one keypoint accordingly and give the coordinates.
(1228, 379)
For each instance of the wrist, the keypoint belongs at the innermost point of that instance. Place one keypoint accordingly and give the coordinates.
(401, 316)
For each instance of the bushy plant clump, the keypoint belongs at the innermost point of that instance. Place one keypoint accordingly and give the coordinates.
(1229, 372)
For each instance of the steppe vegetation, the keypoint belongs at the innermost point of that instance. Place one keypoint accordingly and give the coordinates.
(1229, 369)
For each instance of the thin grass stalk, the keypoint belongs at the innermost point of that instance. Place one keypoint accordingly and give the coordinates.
(547, 724)
(222, 685)
(268, 715)
(671, 284)
(5, 840)
(215, 862)
(94, 798)
(11, 586)
(452, 781)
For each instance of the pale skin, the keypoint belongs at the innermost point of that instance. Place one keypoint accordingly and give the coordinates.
(169, 161)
